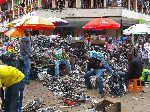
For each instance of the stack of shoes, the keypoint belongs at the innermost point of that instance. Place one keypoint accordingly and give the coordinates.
(101, 95)
(89, 87)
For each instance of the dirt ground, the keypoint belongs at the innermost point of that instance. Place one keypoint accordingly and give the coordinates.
(128, 102)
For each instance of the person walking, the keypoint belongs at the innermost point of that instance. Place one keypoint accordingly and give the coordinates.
(25, 51)
(13, 81)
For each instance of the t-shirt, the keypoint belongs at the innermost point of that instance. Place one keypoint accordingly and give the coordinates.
(94, 54)
(135, 68)
(144, 54)
(27, 45)
(9, 75)
(93, 64)
(58, 53)
(97, 55)
(109, 47)
(48, 53)
(147, 47)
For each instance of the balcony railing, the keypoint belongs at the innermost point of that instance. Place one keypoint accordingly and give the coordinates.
(19, 10)
(142, 7)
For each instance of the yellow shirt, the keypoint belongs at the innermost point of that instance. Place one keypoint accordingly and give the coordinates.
(9, 75)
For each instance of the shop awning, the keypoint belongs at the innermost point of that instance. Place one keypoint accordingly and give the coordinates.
(79, 22)
(3, 1)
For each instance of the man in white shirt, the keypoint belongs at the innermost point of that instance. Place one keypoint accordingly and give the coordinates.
(147, 47)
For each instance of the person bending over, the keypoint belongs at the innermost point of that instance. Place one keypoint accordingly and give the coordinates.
(13, 81)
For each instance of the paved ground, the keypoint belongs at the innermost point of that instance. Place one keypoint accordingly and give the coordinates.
(128, 103)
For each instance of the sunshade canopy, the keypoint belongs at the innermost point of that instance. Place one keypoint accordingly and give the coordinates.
(101, 24)
(137, 29)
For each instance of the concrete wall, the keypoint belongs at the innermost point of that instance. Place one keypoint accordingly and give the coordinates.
(73, 12)
(84, 13)
(78, 17)
(135, 15)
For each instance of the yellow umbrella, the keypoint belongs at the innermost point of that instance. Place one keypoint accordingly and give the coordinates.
(35, 23)
(16, 21)
(13, 23)
(15, 33)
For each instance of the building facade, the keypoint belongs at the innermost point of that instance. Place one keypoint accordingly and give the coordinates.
(79, 12)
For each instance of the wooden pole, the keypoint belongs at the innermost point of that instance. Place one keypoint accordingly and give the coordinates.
(129, 4)
(105, 3)
(25, 7)
(0, 8)
(66, 3)
(135, 5)
(12, 8)
(18, 11)
(53, 4)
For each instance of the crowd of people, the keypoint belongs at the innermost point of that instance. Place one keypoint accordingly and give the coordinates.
(97, 63)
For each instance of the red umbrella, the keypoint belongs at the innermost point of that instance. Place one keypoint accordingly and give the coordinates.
(101, 24)
(2, 1)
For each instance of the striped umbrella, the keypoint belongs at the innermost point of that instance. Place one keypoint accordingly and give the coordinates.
(35, 23)
(15, 33)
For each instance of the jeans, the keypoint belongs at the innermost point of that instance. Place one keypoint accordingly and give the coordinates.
(19, 64)
(99, 74)
(108, 69)
(3, 58)
(57, 64)
(99, 78)
(14, 97)
(26, 68)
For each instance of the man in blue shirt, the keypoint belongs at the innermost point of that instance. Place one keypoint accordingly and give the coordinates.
(96, 66)
(25, 51)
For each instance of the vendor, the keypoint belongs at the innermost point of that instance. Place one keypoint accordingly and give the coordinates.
(13, 81)
(25, 51)
(58, 54)
(134, 68)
